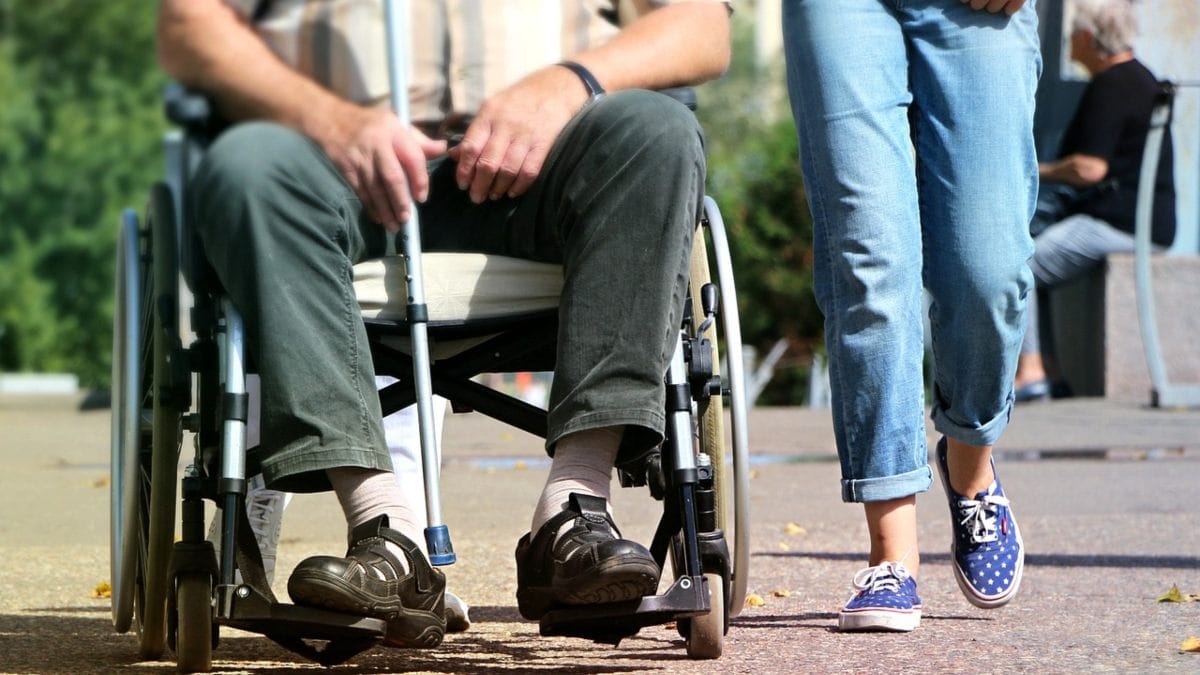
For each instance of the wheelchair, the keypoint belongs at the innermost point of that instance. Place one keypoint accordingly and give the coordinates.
(177, 594)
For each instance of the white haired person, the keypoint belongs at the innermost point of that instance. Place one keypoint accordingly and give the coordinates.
(1088, 195)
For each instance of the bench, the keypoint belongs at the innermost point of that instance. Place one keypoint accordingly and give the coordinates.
(1098, 335)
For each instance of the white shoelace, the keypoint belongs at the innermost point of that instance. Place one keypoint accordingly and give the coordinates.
(261, 509)
(886, 576)
(980, 516)
(261, 505)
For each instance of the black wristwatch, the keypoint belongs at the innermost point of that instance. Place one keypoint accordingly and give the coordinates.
(595, 91)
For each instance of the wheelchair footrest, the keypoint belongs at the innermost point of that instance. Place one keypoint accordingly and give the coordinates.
(245, 608)
(613, 622)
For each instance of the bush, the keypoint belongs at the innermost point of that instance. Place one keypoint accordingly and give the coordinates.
(80, 130)
(754, 175)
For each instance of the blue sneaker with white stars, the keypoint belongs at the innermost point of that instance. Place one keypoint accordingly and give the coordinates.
(989, 557)
(886, 600)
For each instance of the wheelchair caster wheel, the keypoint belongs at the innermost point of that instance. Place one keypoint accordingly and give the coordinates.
(706, 633)
(194, 636)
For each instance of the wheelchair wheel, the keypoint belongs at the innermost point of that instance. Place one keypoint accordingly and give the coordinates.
(146, 445)
(126, 421)
(733, 495)
(194, 630)
(706, 634)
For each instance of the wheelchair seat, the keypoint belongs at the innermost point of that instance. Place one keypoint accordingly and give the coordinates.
(463, 288)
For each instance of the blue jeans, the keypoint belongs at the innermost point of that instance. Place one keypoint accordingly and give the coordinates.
(916, 133)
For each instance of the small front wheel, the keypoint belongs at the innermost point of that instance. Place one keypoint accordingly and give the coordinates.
(193, 640)
(706, 633)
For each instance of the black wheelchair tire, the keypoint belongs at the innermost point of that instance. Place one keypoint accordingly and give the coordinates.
(194, 622)
(166, 431)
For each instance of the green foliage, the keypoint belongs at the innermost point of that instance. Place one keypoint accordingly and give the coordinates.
(754, 176)
(80, 129)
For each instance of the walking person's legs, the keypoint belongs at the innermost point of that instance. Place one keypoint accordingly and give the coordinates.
(848, 80)
(977, 177)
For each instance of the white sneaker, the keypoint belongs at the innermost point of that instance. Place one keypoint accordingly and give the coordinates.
(264, 509)
(457, 617)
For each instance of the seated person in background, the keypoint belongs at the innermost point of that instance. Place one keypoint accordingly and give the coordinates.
(1089, 212)
(549, 168)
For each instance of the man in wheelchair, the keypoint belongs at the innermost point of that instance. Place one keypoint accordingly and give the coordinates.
(566, 161)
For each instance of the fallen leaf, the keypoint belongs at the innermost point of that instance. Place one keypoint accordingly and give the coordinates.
(102, 590)
(781, 593)
(783, 546)
(100, 482)
(1191, 644)
(793, 530)
(755, 600)
(1174, 595)
(753, 474)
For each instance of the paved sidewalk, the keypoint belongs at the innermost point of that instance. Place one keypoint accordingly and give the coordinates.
(1106, 537)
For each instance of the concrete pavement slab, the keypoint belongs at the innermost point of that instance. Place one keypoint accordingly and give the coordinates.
(1106, 537)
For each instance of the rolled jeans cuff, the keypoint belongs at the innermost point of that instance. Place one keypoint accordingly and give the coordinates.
(887, 487)
(987, 433)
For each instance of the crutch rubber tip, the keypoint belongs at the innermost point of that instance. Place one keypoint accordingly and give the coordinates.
(437, 539)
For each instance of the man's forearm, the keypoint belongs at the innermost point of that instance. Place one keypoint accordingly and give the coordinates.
(205, 45)
(680, 44)
(1076, 169)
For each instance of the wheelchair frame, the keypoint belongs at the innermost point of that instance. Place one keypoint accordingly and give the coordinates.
(178, 595)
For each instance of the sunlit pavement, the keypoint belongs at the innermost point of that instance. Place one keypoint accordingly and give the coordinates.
(1104, 494)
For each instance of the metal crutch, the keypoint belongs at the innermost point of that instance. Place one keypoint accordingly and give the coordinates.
(437, 535)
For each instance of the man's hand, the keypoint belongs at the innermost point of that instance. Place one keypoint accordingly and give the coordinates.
(1076, 169)
(383, 161)
(1009, 7)
(506, 145)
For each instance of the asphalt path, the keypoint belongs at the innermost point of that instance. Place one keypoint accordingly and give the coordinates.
(1104, 493)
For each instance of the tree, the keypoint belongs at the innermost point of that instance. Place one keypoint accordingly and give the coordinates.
(80, 129)
(754, 175)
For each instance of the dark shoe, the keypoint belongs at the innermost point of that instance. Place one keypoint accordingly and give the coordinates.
(1033, 391)
(588, 565)
(370, 581)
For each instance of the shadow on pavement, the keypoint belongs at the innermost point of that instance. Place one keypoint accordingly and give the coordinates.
(1038, 560)
(60, 640)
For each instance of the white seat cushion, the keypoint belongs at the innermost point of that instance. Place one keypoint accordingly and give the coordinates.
(459, 287)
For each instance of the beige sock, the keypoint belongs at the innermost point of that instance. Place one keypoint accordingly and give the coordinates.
(367, 493)
(583, 462)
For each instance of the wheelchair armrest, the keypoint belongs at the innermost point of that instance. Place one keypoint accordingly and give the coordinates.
(685, 95)
(192, 110)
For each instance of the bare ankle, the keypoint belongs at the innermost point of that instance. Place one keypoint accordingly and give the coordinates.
(970, 467)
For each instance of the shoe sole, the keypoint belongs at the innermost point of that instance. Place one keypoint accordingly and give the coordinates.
(406, 627)
(879, 620)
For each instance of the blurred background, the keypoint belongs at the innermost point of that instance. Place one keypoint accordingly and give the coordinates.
(81, 125)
